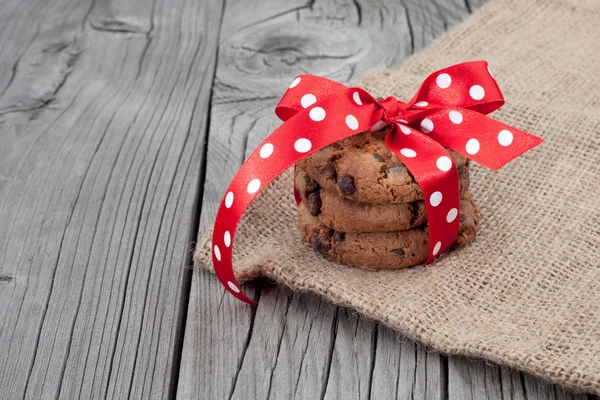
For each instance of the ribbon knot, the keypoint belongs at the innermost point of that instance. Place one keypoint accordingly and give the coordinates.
(392, 109)
(447, 112)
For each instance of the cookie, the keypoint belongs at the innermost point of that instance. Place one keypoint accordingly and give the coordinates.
(344, 215)
(362, 168)
(381, 250)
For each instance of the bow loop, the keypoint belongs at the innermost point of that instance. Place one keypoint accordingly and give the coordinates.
(468, 85)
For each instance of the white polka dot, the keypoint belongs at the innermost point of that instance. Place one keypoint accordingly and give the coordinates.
(229, 199)
(217, 252)
(356, 98)
(444, 163)
(443, 80)
(352, 122)
(477, 92)
(426, 125)
(451, 216)
(317, 114)
(227, 238)
(490, 72)
(455, 117)
(421, 104)
(410, 153)
(505, 138)
(266, 150)
(295, 82)
(302, 145)
(402, 120)
(253, 186)
(472, 146)
(436, 248)
(405, 129)
(377, 126)
(233, 286)
(308, 100)
(435, 199)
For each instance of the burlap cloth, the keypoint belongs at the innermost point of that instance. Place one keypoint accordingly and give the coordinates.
(526, 293)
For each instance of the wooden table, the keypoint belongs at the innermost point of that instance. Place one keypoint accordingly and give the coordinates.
(120, 124)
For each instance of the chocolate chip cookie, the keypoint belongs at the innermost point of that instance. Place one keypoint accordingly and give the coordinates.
(381, 250)
(362, 168)
(344, 215)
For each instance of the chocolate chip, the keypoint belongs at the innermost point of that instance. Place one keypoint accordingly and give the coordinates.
(414, 213)
(335, 145)
(330, 172)
(399, 253)
(314, 204)
(311, 185)
(320, 244)
(378, 157)
(346, 185)
(339, 236)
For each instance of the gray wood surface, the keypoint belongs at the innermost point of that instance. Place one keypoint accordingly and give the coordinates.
(106, 109)
(296, 345)
(102, 127)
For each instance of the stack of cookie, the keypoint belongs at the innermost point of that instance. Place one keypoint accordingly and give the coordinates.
(361, 206)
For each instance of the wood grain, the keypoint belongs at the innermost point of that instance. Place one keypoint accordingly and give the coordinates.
(102, 122)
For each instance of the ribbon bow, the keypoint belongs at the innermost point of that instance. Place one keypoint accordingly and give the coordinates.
(448, 111)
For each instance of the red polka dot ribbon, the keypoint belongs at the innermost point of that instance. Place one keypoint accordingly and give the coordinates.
(448, 111)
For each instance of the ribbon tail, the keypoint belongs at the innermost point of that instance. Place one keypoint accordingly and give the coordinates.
(328, 121)
(485, 140)
(435, 172)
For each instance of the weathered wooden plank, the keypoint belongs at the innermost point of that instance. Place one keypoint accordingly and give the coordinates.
(352, 357)
(209, 363)
(102, 126)
(15, 40)
(283, 358)
(405, 370)
(476, 379)
(538, 389)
